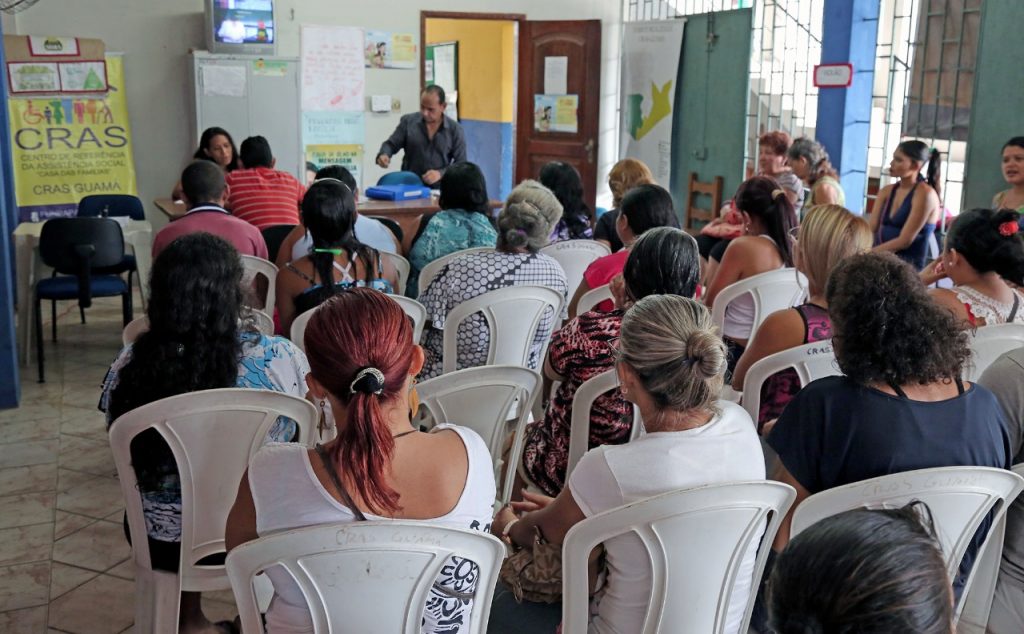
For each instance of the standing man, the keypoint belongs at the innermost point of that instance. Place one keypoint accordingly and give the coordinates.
(430, 139)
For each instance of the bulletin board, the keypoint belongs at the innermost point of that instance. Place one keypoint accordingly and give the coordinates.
(441, 67)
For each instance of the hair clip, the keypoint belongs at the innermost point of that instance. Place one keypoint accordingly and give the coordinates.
(777, 192)
(376, 387)
(1008, 228)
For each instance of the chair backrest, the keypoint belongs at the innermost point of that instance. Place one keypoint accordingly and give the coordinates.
(513, 315)
(392, 226)
(134, 328)
(430, 271)
(483, 399)
(400, 178)
(366, 576)
(76, 246)
(212, 434)
(402, 268)
(810, 361)
(774, 290)
(111, 205)
(696, 540)
(579, 422)
(575, 256)
(274, 236)
(592, 298)
(416, 311)
(988, 343)
(254, 267)
(298, 329)
(960, 499)
(695, 213)
(263, 322)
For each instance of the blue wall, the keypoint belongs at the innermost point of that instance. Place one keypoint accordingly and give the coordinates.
(489, 145)
(10, 387)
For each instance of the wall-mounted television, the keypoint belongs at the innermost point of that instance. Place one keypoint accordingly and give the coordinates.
(241, 27)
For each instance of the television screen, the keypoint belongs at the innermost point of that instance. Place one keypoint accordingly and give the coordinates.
(243, 21)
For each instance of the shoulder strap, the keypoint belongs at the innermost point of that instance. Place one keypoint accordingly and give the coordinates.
(296, 271)
(1016, 305)
(345, 497)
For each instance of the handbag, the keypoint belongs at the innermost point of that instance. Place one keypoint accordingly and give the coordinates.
(535, 573)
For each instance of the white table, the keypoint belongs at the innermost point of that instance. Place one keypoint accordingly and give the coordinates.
(138, 234)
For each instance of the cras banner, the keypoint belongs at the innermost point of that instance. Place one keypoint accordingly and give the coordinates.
(68, 147)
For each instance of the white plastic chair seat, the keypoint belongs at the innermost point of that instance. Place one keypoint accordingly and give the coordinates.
(960, 498)
(416, 311)
(593, 297)
(695, 539)
(772, 291)
(402, 268)
(367, 577)
(212, 434)
(253, 266)
(430, 271)
(988, 343)
(575, 256)
(513, 315)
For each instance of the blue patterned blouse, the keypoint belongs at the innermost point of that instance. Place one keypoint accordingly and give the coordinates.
(446, 232)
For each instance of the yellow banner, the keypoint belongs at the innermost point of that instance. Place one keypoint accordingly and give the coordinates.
(348, 156)
(67, 147)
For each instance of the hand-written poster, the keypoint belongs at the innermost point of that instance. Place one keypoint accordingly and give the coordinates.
(333, 128)
(333, 76)
(348, 156)
(385, 49)
(66, 147)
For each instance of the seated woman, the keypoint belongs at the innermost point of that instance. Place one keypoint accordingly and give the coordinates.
(624, 176)
(564, 181)
(194, 342)
(877, 570)
(828, 234)
(337, 260)
(900, 405)
(984, 250)
(908, 230)
(643, 207)
(464, 221)
(1013, 174)
(379, 467)
(809, 161)
(215, 145)
(662, 262)
(769, 220)
(671, 363)
(369, 231)
(524, 226)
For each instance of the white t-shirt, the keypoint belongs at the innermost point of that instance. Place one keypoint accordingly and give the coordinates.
(726, 449)
(369, 231)
(287, 494)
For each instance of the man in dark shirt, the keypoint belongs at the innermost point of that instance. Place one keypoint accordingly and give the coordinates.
(430, 139)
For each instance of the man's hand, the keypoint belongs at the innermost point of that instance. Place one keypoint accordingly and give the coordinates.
(431, 177)
(383, 160)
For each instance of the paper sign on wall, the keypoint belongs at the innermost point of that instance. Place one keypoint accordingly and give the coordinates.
(48, 45)
(556, 113)
(33, 77)
(333, 76)
(83, 76)
(333, 128)
(385, 49)
(269, 68)
(224, 81)
(556, 75)
(348, 156)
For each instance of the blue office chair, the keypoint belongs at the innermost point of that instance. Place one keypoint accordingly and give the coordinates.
(103, 205)
(76, 248)
(400, 178)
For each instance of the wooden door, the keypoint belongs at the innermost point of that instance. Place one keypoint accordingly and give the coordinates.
(537, 143)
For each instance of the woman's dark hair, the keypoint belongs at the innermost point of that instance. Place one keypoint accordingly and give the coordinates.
(920, 152)
(204, 143)
(329, 213)
(195, 300)
(871, 571)
(647, 206)
(358, 329)
(886, 327)
(1017, 141)
(564, 181)
(463, 187)
(338, 172)
(762, 197)
(991, 240)
(663, 261)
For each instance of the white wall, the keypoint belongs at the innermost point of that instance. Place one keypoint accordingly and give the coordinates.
(156, 36)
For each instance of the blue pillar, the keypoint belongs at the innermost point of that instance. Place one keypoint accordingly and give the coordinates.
(849, 34)
(10, 386)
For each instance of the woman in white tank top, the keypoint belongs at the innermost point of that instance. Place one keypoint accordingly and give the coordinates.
(363, 362)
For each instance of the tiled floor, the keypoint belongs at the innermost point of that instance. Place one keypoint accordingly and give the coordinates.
(64, 562)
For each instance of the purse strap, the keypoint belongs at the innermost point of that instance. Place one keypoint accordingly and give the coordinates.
(345, 497)
(1016, 305)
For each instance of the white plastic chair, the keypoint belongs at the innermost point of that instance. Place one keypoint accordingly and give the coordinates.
(254, 266)
(575, 256)
(485, 399)
(372, 577)
(988, 343)
(134, 328)
(212, 434)
(695, 540)
(959, 498)
(430, 271)
(402, 268)
(811, 361)
(593, 297)
(298, 328)
(582, 402)
(416, 311)
(772, 291)
(263, 322)
(512, 315)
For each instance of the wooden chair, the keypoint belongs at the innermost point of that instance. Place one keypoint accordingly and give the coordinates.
(695, 214)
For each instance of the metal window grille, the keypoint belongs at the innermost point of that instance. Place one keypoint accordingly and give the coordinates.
(785, 47)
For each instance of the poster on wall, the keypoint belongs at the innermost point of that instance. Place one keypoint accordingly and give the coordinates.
(33, 77)
(650, 54)
(333, 75)
(333, 128)
(348, 156)
(90, 76)
(384, 49)
(556, 113)
(66, 147)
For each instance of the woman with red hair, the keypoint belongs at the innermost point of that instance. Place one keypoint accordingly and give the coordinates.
(364, 363)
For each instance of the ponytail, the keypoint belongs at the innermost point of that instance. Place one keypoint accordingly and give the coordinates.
(763, 198)
(365, 446)
(934, 173)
